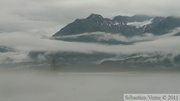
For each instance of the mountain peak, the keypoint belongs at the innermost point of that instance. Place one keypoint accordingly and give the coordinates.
(94, 16)
(126, 25)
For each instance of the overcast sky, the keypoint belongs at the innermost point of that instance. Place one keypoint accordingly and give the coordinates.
(48, 16)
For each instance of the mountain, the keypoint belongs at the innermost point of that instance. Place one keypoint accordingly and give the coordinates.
(145, 60)
(4, 49)
(97, 29)
(162, 26)
(122, 61)
(125, 25)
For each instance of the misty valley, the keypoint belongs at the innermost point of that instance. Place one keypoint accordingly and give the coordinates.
(136, 42)
(89, 50)
(57, 50)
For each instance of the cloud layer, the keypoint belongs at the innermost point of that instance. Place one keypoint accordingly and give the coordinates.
(24, 43)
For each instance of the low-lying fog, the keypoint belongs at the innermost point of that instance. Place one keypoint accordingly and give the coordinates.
(36, 85)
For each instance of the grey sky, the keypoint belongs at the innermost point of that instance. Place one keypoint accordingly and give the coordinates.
(48, 16)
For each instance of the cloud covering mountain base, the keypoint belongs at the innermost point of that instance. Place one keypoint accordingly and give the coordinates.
(148, 49)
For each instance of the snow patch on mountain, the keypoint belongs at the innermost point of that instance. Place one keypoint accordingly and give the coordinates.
(140, 24)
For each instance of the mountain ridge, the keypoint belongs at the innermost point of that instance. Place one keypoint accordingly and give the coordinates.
(91, 29)
(97, 23)
(120, 24)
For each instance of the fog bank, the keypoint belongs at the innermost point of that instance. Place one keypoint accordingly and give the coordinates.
(56, 86)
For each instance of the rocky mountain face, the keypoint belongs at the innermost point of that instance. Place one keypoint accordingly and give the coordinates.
(96, 23)
(97, 29)
(124, 25)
